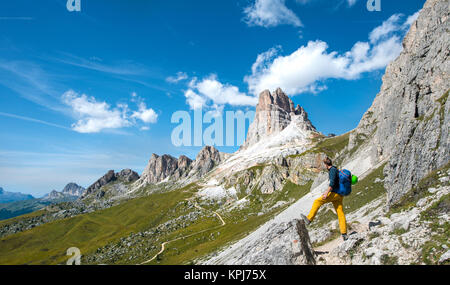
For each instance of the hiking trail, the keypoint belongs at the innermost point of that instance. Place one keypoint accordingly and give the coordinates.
(163, 245)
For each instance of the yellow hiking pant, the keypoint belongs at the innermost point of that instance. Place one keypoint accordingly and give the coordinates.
(336, 199)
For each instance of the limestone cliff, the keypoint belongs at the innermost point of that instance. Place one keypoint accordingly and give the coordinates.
(408, 121)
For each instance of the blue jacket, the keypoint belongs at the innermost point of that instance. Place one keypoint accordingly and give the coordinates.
(333, 175)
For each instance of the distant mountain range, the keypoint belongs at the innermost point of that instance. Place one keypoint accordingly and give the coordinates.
(71, 192)
(7, 197)
(16, 204)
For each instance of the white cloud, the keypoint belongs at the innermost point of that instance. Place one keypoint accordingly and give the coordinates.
(194, 100)
(177, 78)
(146, 115)
(388, 27)
(305, 69)
(210, 89)
(263, 58)
(410, 20)
(270, 13)
(94, 116)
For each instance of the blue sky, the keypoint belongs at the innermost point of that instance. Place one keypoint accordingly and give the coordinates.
(85, 92)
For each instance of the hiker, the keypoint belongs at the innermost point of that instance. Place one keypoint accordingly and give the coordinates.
(330, 196)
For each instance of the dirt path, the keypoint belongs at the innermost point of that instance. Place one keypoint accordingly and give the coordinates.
(163, 245)
(325, 251)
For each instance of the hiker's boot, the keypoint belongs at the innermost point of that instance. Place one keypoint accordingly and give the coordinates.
(305, 219)
(344, 237)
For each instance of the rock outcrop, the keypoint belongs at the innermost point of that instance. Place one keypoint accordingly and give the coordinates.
(54, 195)
(159, 168)
(126, 175)
(205, 161)
(283, 244)
(408, 121)
(73, 189)
(168, 168)
(274, 113)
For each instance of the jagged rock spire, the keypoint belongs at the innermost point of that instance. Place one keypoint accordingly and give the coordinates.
(166, 166)
(274, 113)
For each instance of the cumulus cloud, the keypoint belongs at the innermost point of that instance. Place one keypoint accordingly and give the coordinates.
(146, 115)
(270, 13)
(194, 100)
(94, 116)
(305, 69)
(211, 91)
(388, 27)
(177, 78)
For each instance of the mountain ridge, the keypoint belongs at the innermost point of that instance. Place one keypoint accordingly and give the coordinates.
(398, 210)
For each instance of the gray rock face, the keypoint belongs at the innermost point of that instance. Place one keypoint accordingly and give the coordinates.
(408, 121)
(105, 179)
(269, 178)
(184, 164)
(160, 168)
(344, 248)
(445, 257)
(53, 195)
(206, 159)
(284, 244)
(274, 113)
(126, 175)
(168, 168)
(73, 189)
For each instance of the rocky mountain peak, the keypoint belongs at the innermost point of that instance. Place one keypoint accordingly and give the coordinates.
(184, 161)
(206, 160)
(73, 189)
(208, 152)
(274, 112)
(278, 99)
(126, 175)
(161, 168)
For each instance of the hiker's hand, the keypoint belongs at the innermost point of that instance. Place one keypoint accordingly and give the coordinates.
(324, 196)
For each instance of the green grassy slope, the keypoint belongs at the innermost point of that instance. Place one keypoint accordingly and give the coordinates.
(47, 244)
(239, 223)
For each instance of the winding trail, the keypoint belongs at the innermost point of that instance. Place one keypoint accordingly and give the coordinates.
(163, 245)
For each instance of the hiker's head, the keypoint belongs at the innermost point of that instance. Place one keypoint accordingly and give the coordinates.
(328, 162)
